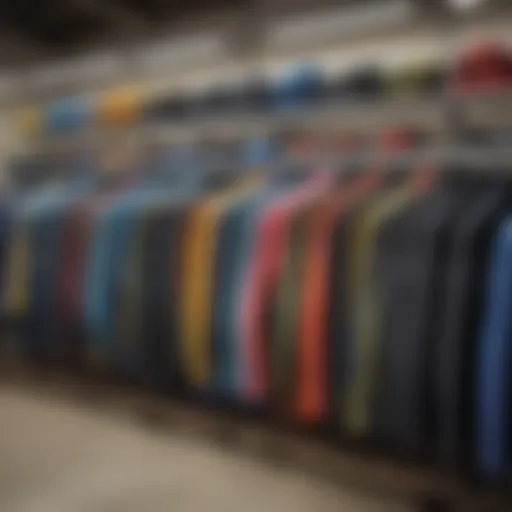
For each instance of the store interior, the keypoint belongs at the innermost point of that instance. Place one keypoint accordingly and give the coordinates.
(256, 254)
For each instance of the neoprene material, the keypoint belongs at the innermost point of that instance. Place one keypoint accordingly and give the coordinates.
(75, 241)
(338, 318)
(153, 356)
(285, 316)
(378, 306)
(46, 243)
(172, 340)
(111, 229)
(198, 259)
(234, 249)
(129, 304)
(17, 269)
(310, 386)
(494, 351)
(260, 283)
(19, 296)
(281, 309)
(262, 277)
(6, 222)
(410, 273)
(366, 307)
(455, 360)
(154, 360)
(313, 362)
(130, 287)
(229, 258)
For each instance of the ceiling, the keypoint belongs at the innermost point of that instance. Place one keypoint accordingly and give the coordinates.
(34, 29)
(60, 26)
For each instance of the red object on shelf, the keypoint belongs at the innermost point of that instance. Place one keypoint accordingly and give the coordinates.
(397, 139)
(483, 68)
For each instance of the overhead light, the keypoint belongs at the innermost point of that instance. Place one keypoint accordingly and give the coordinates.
(339, 23)
(465, 5)
(75, 72)
(9, 85)
(193, 50)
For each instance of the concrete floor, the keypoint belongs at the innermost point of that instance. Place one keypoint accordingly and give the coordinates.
(55, 457)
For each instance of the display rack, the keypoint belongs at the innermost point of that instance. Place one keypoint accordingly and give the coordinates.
(431, 115)
(344, 462)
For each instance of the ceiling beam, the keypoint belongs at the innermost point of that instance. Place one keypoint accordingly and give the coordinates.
(120, 16)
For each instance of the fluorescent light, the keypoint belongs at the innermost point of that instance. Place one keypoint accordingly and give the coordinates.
(338, 23)
(191, 50)
(466, 5)
(9, 86)
(77, 72)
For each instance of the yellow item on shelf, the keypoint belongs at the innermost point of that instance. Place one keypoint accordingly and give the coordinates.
(30, 121)
(118, 107)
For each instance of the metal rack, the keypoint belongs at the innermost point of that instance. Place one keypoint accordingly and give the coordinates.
(441, 118)
(436, 116)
